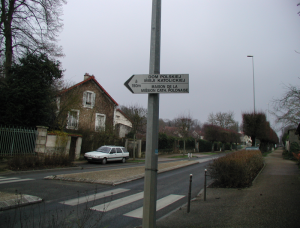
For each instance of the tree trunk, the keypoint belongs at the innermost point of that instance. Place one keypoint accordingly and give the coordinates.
(253, 140)
(6, 18)
(213, 147)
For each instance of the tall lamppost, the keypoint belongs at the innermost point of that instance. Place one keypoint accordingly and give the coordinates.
(251, 56)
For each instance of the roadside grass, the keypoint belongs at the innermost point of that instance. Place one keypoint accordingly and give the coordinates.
(210, 153)
(180, 156)
(136, 161)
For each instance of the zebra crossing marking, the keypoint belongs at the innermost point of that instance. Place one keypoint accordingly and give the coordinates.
(84, 199)
(160, 204)
(118, 203)
(4, 180)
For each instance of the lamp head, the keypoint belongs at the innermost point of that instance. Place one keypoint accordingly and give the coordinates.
(250, 56)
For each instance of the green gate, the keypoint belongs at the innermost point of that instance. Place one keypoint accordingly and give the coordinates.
(17, 141)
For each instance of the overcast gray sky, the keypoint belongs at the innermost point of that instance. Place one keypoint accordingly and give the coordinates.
(208, 39)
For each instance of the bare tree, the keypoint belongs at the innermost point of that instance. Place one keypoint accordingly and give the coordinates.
(287, 108)
(29, 26)
(138, 115)
(211, 119)
(197, 126)
(222, 119)
(184, 123)
(211, 133)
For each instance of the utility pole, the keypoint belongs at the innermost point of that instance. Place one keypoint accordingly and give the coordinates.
(150, 181)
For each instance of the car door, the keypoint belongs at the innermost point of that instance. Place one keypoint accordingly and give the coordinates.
(113, 155)
(120, 154)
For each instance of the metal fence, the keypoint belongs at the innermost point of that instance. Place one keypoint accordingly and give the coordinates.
(17, 141)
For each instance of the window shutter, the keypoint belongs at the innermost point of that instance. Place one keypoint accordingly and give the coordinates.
(68, 120)
(96, 122)
(103, 118)
(84, 99)
(77, 120)
(93, 99)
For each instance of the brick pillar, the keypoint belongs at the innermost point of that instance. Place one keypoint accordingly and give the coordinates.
(41, 139)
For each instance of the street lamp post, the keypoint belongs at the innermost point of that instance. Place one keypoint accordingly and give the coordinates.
(251, 56)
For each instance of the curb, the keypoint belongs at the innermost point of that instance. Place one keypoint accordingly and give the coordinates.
(21, 200)
(259, 173)
(136, 177)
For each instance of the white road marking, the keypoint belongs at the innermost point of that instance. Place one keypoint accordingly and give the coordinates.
(119, 202)
(4, 180)
(84, 199)
(160, 204)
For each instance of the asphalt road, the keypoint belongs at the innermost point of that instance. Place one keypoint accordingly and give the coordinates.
(54, 209)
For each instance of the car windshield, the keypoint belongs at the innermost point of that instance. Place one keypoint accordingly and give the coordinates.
(103, 149)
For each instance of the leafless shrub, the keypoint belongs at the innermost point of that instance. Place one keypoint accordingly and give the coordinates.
(236, 170)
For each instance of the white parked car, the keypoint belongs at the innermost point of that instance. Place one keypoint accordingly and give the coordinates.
(107, 153)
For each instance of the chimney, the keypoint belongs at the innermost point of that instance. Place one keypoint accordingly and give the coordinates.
(86, 76)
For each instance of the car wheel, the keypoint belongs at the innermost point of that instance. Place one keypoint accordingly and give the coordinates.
(104, 161)
(123, 160)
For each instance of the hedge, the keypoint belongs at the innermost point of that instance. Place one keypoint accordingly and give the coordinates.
(166, 142)
(236, 170)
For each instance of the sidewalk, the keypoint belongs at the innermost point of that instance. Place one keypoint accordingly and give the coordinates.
(272, 201)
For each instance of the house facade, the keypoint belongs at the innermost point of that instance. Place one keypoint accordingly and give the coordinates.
(123, 124)
(197, 134)
(293, 137)
(86, 105)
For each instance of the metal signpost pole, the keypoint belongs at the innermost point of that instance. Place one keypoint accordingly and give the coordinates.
(150, 181)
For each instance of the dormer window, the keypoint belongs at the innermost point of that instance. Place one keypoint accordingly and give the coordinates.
(88, 99)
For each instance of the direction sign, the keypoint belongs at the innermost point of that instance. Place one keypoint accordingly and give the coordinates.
(158, 83)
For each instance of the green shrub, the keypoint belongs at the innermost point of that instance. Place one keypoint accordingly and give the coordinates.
(236, 170)
(204, 146)
(294, 147)
(93, 140)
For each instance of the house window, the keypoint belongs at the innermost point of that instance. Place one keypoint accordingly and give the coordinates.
(73, 119)
(100, 122)
(88, 99)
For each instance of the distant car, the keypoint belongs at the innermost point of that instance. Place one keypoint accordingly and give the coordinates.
(252, 148)
(107, 153)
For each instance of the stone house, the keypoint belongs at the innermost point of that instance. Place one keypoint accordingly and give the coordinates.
(171, 131)
(294, 136)
(197, 134)
(86, 105)
(245, 139)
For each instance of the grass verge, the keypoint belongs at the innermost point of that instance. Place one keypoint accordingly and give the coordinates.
(135, 161)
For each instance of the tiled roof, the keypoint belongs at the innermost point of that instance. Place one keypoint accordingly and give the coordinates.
(97, 83)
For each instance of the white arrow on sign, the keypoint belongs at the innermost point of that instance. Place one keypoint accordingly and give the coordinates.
(158, 83)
